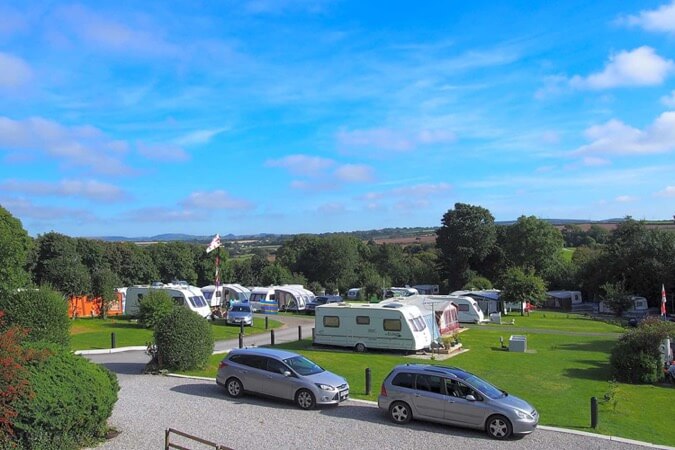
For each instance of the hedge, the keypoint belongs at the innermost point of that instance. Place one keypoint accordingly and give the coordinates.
(44, 312)
(184, 340)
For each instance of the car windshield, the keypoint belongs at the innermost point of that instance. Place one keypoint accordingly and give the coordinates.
(485, 387)
(320, 301)
(239, 308)
(303, 365)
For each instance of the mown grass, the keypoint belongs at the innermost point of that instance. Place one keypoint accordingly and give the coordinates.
(89, 334)
(559, 374)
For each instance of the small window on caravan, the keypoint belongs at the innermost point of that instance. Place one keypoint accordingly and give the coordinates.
(219, 294)
(179, 300)
(362, 320)
(331, 321)
(392, 324)
(140, 297)
(462, 307)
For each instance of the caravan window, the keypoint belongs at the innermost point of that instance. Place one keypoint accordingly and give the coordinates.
(392, 324)
(362, 320)
(413, 325)
(420, 323)
(197, 301)
(462, 307)
(331, 321)
(209, 294)
(179, 300)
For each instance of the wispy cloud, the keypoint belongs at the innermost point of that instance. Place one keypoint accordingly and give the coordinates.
(668, 192)
(639, 67)
(275, 7)
(332, 208)
(162, 152)
(215, 200)
(406, 197)
(616, 138)
(391, 140)
(354, 173)
(660, 20)
(14, 71)
(669, 100)
(26, 209)
(625, 198)
(162, 215)
(83, 146)
(91, 189)
(305, 165)
(199, 136)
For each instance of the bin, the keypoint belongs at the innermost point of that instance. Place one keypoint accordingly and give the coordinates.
(518, 343)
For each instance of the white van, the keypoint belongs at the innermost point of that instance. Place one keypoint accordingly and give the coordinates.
(189, 296)
(468, 310)
(361, 326)
(262, 299)
(225, 293)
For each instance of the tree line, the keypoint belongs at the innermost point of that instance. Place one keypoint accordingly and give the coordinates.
(471, 251)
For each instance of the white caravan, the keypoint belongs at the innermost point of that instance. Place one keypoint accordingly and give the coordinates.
(362, 325)
(353, 293)
(225, 293)
(468, 310)
(262, 299)
(639, 307)
(190, 297)
(292, 297)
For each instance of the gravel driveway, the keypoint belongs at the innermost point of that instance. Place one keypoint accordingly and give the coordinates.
(150, 404)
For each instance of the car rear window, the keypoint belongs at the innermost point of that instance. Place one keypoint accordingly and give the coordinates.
(403, 379)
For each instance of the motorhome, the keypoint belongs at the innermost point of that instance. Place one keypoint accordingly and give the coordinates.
(468, 310)
(225, 294)
(190, 297)
(292, 297)
(361, 326)
(262, 299)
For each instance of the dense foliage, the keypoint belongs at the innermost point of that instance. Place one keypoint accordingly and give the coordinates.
(14, 247)
(155, 305)
(184, 340)
(72, 401)
(43, 312)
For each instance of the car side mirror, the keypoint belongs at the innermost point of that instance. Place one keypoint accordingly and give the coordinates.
(287, 373)
(470, 398)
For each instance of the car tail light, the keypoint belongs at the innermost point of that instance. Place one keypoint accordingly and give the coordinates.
(222, 364)
(383, 391)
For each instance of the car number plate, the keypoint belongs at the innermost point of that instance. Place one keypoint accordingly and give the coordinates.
(344, 395)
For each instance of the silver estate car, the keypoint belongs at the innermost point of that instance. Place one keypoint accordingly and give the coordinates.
(454, 396)
(282, 374)
(238, 313)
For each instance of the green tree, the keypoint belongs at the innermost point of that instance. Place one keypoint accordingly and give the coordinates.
(520, 285)
(58, 264)
(15, 245)
(174, 261)
(616, 297)
(477, 283)
(465, 239)
(103, 284)
(131, 263)
(275, 274)
(531, 242)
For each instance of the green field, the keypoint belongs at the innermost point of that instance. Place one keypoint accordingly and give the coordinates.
(88, 334)
(567, 363)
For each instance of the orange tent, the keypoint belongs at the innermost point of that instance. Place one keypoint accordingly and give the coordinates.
(85, 306)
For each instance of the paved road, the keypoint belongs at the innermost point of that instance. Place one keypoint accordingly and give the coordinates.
(149, 404)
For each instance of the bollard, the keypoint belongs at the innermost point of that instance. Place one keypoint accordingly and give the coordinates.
(241, 340)
(594, 412)
(267, 322)
(113, 340)
(367, 380)
(299, 332)
(313, 334)
(271, 337)
(241, 327)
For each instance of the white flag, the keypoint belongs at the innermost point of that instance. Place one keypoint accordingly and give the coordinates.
(215, 243)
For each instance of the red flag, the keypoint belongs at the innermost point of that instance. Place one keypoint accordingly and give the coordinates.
(663, 300)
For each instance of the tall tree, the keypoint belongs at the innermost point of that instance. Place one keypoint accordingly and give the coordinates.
(520, 285)
(466, 237)
(15, 245)
(58, 264)
(103, 284)
(174, 261)
(532, 242)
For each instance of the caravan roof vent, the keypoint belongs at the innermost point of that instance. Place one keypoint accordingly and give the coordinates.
(392, 305)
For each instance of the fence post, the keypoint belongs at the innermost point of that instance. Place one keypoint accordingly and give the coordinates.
(299, 332)
(241, 340)
(313, 334)
(594, 412)
(267, 322)
(113, 340)
(368, 380)
(272, 337)
(241, 327)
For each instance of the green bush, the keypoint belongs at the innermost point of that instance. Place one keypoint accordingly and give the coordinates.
(73, 400)
(154, 306)
(184, 340)
(44, 312)
(636, 357)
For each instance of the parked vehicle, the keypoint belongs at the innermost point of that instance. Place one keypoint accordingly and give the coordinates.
(361, 326)
(225, 294)
(400, 292)
(467, 308)
(454, 396)
(262, 300)
(282, 374)
(190, 297)
(353, 293)
(240, 313)
(310, 308)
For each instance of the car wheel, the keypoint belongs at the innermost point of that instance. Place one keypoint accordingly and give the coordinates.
(305, 399)
(234, 388)
(360, 348)
(400, 412)
(499, 427)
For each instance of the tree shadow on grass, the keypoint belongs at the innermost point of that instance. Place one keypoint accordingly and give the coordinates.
(602, 346)
(597, 370)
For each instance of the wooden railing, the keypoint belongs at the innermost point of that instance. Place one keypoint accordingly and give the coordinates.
(168, 445)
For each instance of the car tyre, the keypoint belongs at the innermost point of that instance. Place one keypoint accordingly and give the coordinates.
(360, 347)
(499, 427)
(400, 412)
(234, 388)
(305, 399)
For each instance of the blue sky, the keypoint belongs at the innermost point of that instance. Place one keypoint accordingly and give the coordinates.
(289, 116)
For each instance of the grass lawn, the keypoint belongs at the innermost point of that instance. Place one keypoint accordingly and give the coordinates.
(87, 334)
(558, 375)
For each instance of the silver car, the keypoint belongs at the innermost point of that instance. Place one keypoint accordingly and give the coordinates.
(454, 396)
(282, 374)
(240, 313)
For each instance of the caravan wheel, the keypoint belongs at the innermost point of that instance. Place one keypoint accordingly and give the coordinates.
(360, 348)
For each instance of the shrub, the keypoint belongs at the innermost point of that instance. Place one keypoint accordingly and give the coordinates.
(72, 401)
(154, 306)
(184, 340)
(636, 357)
(44, 312)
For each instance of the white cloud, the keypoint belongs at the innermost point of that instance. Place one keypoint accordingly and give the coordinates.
(669, 191)
(593, 161)
(304, 165)
(92, 190)
(669, 100)
(162, 152)
(199, 136)
(616, 138)
(162, 215)
(83, 146)
(354, 173)
(28, 210)
(214, 200)
(422, 190)
(14, 71)
(332, 208)
(661, 19)
(625, 199)
(391, 140)
(639, 67)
